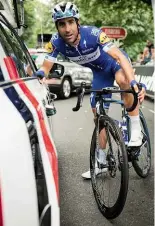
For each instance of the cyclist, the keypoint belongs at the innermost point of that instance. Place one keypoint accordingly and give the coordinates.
(90, 47)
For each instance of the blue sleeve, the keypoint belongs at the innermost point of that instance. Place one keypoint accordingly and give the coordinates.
(51, 47)
(104, 41)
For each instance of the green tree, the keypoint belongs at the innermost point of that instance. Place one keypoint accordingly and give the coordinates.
(38, 19)
(29, 19)
(135, 16)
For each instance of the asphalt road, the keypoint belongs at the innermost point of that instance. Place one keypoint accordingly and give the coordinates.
(72, 134)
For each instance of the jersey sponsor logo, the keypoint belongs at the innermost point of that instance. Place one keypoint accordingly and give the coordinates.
(91, 97)
(87, 50)
(103, 38)
(87, 58)
(54, 37)
(69, 52)
(108, 46)
(49, 47)
(95, 31)
(85, 44)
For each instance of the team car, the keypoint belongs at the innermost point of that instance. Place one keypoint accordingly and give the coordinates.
(29, 188)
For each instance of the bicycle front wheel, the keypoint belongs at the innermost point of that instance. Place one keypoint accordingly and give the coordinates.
(110, 188)
(142, 160)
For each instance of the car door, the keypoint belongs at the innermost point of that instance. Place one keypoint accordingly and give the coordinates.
(22, 98)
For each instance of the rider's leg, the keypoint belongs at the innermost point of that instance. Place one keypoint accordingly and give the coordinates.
(102, 135)
(102, 142)
(101, 149)
(136, 136)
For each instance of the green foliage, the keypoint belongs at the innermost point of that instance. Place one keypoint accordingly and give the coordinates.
(29, 36)
(135, 16)
(38, 19)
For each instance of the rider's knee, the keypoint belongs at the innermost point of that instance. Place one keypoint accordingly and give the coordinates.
(123, 83)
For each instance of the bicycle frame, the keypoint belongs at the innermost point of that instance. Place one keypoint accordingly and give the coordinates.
(124, 154)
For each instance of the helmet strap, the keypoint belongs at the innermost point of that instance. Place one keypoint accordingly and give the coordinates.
(78, 27)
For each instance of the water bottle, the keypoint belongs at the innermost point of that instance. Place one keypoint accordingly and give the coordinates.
(123, 126)
(125, 132)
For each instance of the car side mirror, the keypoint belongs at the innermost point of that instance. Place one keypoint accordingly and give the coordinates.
(57, 71)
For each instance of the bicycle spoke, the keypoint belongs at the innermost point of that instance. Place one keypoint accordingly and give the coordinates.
(142, 161)
(108, 186)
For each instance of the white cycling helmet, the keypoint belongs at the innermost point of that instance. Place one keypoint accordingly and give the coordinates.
(65, 10)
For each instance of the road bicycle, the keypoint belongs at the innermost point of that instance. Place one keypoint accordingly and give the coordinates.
(110, 188)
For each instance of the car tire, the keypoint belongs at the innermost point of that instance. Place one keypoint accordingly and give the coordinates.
(66, 88)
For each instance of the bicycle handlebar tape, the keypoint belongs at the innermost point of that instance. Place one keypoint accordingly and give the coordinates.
(135, 101)
(142, 85)
(78, 104)
(133, 82)
(79, 90)
(39, 74)
(80, 94)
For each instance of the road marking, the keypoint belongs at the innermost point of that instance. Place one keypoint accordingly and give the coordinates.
(80, 128)
(151, 111)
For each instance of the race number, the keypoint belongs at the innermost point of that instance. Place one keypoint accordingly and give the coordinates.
(104, 38)
(49, 47)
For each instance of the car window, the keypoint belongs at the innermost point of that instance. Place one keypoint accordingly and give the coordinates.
(1, 76)
(62, 58)
(13, 49)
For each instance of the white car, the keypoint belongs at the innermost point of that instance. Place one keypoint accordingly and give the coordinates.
(65, 75)
(29, 190)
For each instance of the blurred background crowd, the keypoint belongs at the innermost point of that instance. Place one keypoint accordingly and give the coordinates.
(147, 56)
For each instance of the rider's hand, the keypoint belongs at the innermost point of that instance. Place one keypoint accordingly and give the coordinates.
(39, 74)
(141, 92)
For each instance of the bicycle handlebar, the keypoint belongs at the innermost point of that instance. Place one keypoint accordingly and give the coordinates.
(108, 90)
(80, 94)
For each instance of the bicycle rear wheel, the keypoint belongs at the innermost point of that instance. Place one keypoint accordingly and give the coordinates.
(142, 160)
(110, 188)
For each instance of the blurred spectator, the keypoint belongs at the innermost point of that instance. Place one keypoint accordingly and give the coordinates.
(139, 57)
(152, 53)
(147, 52)
(149, 45)
(146, 56)
(152, 61)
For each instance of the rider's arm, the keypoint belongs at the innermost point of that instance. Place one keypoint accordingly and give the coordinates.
(49, 60)
(123, 61)
(46, 66)
(113, 51)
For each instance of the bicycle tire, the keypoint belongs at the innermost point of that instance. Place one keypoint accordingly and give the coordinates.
(135, 162)
(116, 209)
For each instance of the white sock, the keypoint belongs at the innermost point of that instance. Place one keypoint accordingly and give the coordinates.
(135, 127)
(102, 155)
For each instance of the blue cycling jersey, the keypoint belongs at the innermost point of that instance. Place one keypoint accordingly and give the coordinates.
(90, 52)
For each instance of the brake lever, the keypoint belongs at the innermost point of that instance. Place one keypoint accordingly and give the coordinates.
(80, 93)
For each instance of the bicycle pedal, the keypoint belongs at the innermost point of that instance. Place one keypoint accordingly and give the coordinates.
(133, 153)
